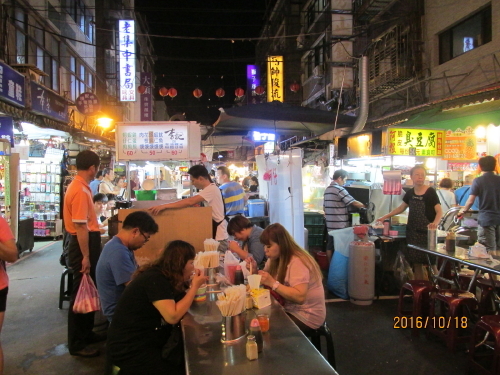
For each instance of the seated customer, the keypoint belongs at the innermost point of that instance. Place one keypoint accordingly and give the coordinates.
(100, 202)
(158, 293)
(292, 273)
(243, 230)
(117, 263)
(111, 205)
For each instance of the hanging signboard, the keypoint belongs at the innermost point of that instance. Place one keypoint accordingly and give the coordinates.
(158, 141)
(275, 78)
(253, 80)
(7, 129)
(416, 142)
(88, 104)
(460, 144)
(11, 85)
(126, 35)
(146, 97)
(48, 103)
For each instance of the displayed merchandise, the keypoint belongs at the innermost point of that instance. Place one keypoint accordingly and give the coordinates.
(41, 196)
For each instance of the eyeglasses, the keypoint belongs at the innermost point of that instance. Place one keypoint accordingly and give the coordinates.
(146, 239)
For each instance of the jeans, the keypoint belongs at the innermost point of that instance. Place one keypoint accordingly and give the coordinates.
(489, 236)
(80, 326)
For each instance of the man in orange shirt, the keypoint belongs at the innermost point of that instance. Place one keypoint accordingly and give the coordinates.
(84, 248)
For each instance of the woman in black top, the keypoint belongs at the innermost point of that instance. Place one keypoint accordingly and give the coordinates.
(425, 213)
(156, 298)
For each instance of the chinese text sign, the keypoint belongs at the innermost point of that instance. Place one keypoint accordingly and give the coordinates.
(416, 142)
(126, 35)
(275, 78)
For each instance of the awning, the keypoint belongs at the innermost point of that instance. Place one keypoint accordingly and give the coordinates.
(282, 117)
(472, 115)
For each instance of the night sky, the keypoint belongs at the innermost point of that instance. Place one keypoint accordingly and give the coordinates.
(187, 64)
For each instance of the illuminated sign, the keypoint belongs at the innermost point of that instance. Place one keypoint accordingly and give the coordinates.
(253, 80)
(460, 144)
(263, 137)
(126, 35)
(146, 97)
(416, 142)
(275, 78)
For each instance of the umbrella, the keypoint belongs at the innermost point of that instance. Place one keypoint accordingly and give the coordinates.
(282, 117)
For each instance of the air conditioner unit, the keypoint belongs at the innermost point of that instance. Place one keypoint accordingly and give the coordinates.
(318, 71)
(30, 71)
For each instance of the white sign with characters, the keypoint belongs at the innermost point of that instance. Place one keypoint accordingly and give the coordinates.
(153, 140)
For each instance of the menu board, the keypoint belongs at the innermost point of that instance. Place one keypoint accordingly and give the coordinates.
(416, 142)
(158, 141)
(460, 145)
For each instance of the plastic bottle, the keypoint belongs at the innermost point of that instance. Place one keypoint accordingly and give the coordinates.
(238, 276)
(355, 219)
(387, 226)
(255, 331)
(252, 348)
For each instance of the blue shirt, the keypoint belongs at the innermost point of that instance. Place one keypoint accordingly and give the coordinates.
(462, 194)
(487, 188)
(94, 186)
(234, 198)
(115, 268)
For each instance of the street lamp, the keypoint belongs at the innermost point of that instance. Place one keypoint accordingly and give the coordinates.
(104, 122)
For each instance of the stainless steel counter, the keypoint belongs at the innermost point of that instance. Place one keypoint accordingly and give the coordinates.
(286, 349)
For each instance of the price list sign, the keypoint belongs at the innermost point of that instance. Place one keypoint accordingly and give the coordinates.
(153, 142)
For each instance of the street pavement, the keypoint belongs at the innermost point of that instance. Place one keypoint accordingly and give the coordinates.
(34, 334)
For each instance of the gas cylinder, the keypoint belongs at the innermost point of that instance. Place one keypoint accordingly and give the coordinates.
(361, 284)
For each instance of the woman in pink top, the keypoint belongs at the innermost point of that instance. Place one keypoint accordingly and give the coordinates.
(292, 273)
(8, 253)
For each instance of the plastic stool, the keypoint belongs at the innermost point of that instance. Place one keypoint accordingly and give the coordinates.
(454, 302)
(315, 335)
(486, 305)
(65, 286)
(487, 324)
(421, 290)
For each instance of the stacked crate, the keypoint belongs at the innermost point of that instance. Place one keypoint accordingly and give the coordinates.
(314, 223)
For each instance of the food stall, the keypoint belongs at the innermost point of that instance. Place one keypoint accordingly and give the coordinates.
(154, 143)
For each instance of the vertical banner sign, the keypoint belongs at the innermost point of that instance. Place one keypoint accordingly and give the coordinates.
(146, 98)
(126, 35)
(253, 80)
(7, 129)
(416, 142)
(275, 78)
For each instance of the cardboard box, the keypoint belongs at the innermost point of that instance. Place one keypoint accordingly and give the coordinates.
(192, 224)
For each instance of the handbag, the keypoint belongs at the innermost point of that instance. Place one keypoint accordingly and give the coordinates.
(87, 298)
(169, 352)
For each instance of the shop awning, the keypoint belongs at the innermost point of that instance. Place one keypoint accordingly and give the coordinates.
(472, 115)
(282, 117)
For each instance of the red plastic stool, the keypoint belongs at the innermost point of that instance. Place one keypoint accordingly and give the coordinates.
(483, 290)
(482, 361)
(448, 325)
(421, 290)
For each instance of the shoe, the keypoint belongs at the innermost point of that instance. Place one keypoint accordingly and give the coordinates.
(96, 337)
(86, 353)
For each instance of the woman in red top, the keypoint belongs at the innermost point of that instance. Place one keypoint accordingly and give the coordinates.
(8, 253)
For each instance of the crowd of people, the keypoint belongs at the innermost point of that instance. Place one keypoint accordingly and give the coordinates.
(144, 305)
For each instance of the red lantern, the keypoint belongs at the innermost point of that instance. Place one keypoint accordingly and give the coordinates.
(142, 89)
(197, 93)
(239, 92)
(172, 93)
(259, 90)
(295, 87)
(163, 91)
(220, 92)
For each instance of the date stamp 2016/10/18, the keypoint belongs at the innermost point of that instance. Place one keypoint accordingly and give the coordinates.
(436, 322)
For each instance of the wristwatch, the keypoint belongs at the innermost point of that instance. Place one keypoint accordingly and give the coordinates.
(275, 285)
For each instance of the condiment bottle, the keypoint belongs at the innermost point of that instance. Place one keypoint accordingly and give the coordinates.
(450, 242)
(387, 226)
(252, 348)
(355, 219)
(238, 276)
(255, 331)
(249, 302)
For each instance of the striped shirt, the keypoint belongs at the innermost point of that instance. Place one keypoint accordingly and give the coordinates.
(234, 198)
(336, 200)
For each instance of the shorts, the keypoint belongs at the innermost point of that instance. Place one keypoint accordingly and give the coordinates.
(3, 299)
